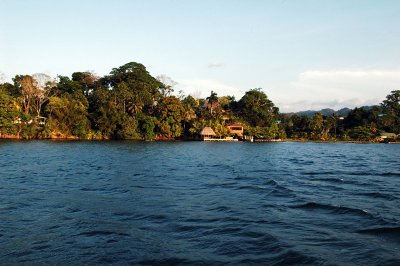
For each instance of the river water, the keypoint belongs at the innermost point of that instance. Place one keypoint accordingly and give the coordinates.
(195, 203)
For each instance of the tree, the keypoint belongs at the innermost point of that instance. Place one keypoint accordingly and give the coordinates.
(86, 79)
(189, 105)
(68, 115)
(361, 133)
(28, 90)
(391, 106)
(212, 101)
(43, 86)
(8, 114)
(170, 114)
(66, 85)
(167, 85)
(147, 126)
(256, 109)
(143, 88)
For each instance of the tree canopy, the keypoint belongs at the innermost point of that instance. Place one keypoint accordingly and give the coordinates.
(129, 103)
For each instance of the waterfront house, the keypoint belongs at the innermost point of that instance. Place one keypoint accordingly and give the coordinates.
(207, 133)
(387, 136)
(235, 129)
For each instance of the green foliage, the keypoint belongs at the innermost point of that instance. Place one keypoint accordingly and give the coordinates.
(170, 113)
(391, 106)
(67, 86)
(129, 103)
(142, 89)
(68, 115)
(361, 133)
(256, 109)
(147, 126)
(8, 114)
(212, 102)
(271, 132)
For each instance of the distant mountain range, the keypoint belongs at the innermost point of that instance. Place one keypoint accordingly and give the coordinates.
(326, 112)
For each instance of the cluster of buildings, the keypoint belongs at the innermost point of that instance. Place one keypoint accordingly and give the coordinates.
(235, 129)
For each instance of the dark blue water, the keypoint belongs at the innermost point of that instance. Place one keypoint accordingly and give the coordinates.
(199, 203)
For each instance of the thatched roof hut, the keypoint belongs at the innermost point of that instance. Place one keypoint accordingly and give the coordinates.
(207, 131)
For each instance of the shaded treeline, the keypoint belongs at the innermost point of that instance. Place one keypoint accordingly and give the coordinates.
(129, 103)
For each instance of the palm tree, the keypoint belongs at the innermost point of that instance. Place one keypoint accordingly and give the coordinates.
(212, 101)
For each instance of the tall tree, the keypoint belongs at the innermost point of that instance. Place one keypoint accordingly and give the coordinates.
(143, 88)
(170, 114)
(256, 109)
(167, 85)
(212, 101)
(86, 79)
(28, 90)
(391, 106)
(44, 83)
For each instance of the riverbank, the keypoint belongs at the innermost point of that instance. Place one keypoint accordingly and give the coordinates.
(74, 138)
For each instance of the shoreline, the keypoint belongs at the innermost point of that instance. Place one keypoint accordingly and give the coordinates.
(71, 138)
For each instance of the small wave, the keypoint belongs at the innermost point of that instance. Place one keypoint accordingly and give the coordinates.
(254, 188)
(222, 185)
(228, 230)
(301, 161)
(123, 214)
(101, 233)
(319, 173)
(73, 210)
(382, 231)
(154, 217)
(8, 208)
(261, 243)
(293, 258)
(91, 189)
(190, 228)
(388, 233)
(41, 247)
(177, 261)
(22, 253)
(282, 192)
(52, 227)
(286, 258)
(390, 174)
(220, 209)
(332, 208)
(330, 179)
(372, 173)
(379, 195)
(271, 182)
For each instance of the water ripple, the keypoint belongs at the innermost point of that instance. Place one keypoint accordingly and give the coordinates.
(194, 203)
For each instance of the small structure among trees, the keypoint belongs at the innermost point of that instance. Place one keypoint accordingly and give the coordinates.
(235, 129)
(130, 103)
(207, 133)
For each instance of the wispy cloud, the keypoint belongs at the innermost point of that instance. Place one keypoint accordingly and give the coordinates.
(203, 87)
(3, 77)
(340, 88)
(215, 65)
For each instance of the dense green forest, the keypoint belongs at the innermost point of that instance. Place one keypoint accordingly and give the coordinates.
(129, 103)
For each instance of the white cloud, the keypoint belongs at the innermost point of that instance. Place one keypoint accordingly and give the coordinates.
(339, 88)
(203, 87)
(215, 65)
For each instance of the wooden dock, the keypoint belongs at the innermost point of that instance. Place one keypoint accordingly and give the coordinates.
(220, 140)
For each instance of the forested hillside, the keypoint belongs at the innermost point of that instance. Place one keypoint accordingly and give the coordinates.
(130, 103)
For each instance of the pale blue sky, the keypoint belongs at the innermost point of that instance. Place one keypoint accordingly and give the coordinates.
(304, 53)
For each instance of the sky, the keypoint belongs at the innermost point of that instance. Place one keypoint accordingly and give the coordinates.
(304, 54)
